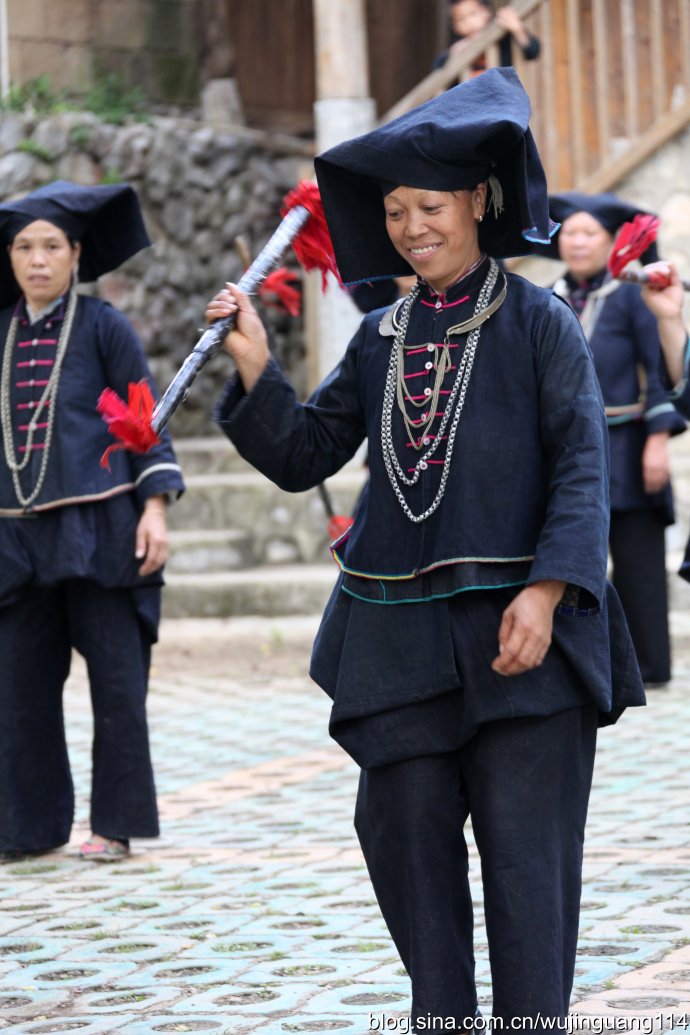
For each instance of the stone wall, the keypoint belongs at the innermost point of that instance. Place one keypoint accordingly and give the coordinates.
(152, 44)
(200, 188)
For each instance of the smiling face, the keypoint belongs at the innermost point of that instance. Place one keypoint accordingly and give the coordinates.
(436, 231)
(43, 260)
(584, 245)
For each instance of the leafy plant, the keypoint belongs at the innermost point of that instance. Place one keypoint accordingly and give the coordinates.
(113, 101)
(109, 98)
(36, 95)
(32, 147)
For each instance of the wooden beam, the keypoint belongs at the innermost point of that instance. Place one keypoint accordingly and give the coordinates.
(684, 15)
(438, 80)
(643, 147)
(342, 68)
(546, 117)
(575, 86)
(630, 81)
(601, 81)
(657, 56)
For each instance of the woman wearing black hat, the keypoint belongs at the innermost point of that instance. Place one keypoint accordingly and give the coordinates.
(81, 547)
(471, 644)
(626, 348)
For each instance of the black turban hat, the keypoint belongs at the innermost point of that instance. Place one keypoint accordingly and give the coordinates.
(452, 142)
(105, 219)
(608, 210)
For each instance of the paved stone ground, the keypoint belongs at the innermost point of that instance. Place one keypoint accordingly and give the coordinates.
(253, 911)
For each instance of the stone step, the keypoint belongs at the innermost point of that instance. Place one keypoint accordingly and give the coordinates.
(285, 527)
(210, 454)
(268, 591)
(193, 552)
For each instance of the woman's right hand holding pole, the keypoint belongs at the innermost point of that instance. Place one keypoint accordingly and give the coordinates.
(667, 305)
(248, 342)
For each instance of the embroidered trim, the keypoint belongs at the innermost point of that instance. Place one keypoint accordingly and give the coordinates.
(444, 305)
(153, 469)
(432, 596)
(91, 498)
(424, 571)
(656, 411)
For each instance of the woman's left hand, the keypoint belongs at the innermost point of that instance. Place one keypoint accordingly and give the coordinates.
(152, 536)
(525, 633)
(656, 469)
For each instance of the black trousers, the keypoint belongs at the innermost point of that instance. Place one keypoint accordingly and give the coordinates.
(37, 634)
(638, 551)
(525, 783)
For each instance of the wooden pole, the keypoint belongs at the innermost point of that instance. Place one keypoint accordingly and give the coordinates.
(343, 109)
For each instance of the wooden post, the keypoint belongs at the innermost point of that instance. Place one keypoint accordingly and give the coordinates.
(343, 109)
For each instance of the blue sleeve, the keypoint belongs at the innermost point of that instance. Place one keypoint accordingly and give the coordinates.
(659, 413)
(573, 543)
(296, 445)
(157, 471)
(680, 393)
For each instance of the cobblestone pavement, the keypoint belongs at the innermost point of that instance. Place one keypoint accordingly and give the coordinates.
(253, 911)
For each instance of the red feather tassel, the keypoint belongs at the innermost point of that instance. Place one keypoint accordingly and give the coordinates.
(129, 422)
(338, 525)
(313, 246)
(632, 240)
(277, 291)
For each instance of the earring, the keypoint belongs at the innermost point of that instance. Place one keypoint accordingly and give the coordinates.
(479, 218)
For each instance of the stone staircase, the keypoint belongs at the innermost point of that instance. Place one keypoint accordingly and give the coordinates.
(241, 546)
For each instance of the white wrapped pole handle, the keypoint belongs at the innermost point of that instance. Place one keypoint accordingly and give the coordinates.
(211, 340)
(641, 276)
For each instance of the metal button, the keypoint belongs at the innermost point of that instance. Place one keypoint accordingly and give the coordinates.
(426, 441)
(423, 465)
(431, 348)
(429, 366)
(427, 391)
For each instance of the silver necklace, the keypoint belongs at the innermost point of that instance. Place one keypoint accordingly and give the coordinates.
(453, 410)
(46, 403)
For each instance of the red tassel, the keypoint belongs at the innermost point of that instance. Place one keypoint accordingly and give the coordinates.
(633, 239)
(278, 284)
(338, 525)
(130, 422)
(313, 246)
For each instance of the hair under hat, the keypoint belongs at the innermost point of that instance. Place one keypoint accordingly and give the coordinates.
(106, 219)
(452, 142)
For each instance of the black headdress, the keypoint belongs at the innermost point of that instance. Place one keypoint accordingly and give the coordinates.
(608, 209)
(106, 219)
(468, 134)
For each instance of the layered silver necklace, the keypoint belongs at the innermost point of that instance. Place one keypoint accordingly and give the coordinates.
(396, 390)
(46, 405)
